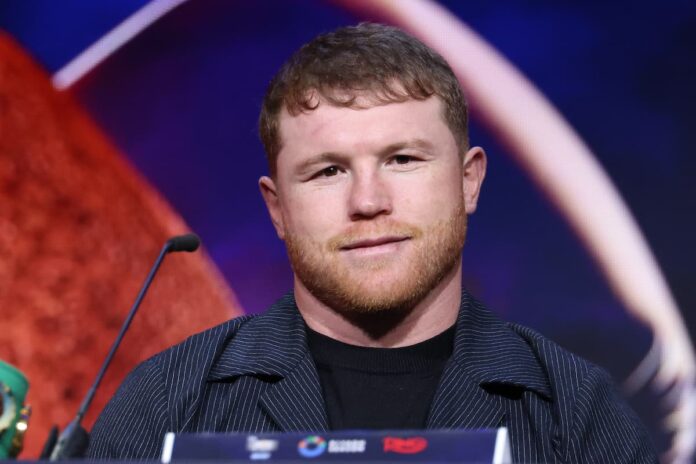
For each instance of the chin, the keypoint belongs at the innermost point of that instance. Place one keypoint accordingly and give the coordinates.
(377, 296)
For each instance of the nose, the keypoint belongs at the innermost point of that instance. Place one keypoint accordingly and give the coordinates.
(369, 197)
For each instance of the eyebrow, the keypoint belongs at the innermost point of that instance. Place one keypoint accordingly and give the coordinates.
(326, 157)
(411, 143)
(331, 157)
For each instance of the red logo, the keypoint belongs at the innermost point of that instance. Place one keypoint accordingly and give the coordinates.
(411, 445)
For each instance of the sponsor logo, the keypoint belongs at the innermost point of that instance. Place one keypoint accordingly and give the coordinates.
(260, 448)
(312, 446)
(347, 446)
(412, 445)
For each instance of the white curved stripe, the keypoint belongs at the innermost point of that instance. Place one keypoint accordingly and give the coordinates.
(565, 168)
(112, 41)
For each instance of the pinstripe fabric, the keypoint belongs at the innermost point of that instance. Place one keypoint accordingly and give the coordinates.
(255, 374)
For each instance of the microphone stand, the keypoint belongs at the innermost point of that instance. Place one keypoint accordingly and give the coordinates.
(73, 441)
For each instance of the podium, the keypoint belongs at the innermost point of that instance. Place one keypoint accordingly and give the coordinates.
(416, 446)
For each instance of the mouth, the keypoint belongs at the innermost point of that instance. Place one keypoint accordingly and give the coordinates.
(373, 243)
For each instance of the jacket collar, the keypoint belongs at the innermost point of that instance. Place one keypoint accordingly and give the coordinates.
(486, 349)
(488, 358)
(272, 344)
(492, 353)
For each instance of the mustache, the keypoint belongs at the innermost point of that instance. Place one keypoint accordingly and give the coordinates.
(360, 233)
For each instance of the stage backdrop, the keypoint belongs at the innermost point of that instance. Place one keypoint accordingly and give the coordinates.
(153, 131)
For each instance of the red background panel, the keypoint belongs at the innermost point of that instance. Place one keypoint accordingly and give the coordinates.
(79, 230)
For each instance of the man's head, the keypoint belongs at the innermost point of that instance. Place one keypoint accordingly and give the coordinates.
(372, 179)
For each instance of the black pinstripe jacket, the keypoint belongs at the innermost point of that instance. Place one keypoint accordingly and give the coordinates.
(255, 373)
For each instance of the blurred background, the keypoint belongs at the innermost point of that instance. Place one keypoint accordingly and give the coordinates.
(98, 168)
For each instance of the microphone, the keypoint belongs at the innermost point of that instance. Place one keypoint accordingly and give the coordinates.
(72, 443)
(188, 243)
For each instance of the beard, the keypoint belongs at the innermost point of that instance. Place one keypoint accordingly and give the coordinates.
(388, 285)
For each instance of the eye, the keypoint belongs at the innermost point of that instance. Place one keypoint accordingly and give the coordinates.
(328, 172)
(402, 159)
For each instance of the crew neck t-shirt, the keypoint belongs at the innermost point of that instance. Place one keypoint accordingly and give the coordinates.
(379, 388)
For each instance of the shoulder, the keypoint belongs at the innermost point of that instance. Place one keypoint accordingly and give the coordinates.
(194, 354)
(560, 366)
(595, 423)
(569, 376)
(589, 419)
(162, 392)
(201, 349)
(236, 347)
(136, 418)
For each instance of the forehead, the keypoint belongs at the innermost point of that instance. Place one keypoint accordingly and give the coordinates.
(361, 127)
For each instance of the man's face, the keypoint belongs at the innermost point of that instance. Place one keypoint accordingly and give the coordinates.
(372, 202)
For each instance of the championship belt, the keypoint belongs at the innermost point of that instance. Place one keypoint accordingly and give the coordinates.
(14, 415)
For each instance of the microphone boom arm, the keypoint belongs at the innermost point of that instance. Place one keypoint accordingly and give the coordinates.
(73, 441)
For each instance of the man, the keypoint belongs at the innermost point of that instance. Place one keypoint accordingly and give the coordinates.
(372, 180)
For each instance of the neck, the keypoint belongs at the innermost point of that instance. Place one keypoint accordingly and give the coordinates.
(431, 316)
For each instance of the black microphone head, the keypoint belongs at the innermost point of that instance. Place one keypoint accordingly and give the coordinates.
(187, 242)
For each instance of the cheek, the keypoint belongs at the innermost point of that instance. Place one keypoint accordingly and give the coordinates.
(432, 196)
(313, 214)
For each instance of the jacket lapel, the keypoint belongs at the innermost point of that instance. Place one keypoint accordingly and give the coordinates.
(460, 403)
(295, 402)
(488, 356)
(273, 349)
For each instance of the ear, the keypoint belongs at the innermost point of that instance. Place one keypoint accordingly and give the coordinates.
(474, 171)
(269, 192)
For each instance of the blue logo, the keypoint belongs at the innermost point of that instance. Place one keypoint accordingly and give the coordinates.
(312, 446)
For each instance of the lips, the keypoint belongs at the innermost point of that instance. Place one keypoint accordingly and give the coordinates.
(372, 243)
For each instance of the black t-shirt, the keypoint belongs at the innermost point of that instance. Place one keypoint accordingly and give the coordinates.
(379, 388)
